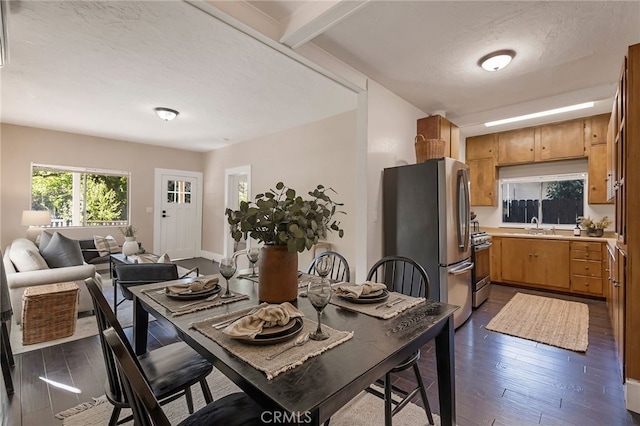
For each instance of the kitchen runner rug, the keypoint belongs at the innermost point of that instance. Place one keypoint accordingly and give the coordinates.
(544, 319)
(363, 410)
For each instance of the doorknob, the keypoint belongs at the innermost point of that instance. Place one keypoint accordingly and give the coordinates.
(164, 215)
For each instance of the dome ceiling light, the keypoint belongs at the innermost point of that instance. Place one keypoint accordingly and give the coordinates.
(167, 114)
(497, 60)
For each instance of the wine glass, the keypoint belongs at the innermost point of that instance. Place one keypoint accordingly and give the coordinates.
(227, 269)
(323, 267)
(253, 254)
(319, 294)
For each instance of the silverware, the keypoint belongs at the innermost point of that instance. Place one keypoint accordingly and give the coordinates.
(299, 342)
(208, 299)
(226, 322)
(391, 303)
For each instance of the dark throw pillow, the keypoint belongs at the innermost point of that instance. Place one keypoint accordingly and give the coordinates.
(45, 237)
(62, 251)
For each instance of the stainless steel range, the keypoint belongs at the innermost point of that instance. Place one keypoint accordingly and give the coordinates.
(481, 275)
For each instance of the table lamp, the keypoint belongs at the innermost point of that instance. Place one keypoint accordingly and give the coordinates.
(34, 219)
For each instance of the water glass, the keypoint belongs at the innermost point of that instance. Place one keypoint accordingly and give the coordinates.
(227, 270)
(323, 267)
(253, 254)
(319, 294)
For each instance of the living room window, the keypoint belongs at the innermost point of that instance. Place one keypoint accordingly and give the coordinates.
(553, 200)
(77, 196)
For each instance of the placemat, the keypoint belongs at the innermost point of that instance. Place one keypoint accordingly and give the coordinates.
(375, 309)
(177, 306)
(255, 355)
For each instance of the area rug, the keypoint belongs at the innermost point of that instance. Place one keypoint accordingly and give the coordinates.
(544, 319)
(365, 409)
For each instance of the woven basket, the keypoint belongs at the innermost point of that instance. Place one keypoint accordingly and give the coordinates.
(427, 149)
(49, 312)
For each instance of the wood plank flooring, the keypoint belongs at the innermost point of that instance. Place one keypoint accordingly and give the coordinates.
(500, 379)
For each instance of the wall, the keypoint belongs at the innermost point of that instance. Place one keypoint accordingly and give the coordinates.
(391, 133)
(492, 216)
(322, 152)
(23, 145)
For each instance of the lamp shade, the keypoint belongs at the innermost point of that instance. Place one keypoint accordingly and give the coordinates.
(35, 218)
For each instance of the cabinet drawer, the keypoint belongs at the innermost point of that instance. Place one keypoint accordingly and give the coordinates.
(591, 285)
(586, 267)
(586, 255)
(586, 246)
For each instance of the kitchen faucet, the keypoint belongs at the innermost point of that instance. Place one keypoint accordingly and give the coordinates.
(536, 220)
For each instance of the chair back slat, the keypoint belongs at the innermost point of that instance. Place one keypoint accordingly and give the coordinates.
(129, 275)
(401, 274)
(339, 266)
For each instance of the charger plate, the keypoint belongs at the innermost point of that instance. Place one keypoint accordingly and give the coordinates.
(277, 334)
(195, 295)
(376, 297)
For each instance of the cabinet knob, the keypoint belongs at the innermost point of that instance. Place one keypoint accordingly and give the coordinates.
(586, 255)
(544, 147)
(535, 254)
(586, 268)
(531, 149)
(586, 284)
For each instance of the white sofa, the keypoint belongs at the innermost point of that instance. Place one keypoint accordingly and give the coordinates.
(19, 281)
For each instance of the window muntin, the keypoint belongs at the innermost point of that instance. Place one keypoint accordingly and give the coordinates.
(553, 200)
(178, 192)
(77, 196)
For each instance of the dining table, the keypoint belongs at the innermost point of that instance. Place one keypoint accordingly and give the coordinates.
(324, 383)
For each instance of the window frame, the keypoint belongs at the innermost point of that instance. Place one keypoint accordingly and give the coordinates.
(86, 170)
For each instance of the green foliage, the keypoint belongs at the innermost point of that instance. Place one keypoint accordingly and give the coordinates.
(280, 217)
(52, 191)
(565, 190)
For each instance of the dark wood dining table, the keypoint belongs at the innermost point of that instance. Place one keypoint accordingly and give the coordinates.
(322, 384)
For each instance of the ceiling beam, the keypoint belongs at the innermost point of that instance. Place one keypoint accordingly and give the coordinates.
(315, 17)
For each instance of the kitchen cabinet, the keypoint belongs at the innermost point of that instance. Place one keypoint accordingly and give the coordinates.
(595, 130)
(516, 146)
(479, 147)
(598, 175)
(536, 262)
(622, 333)
(561, 141)
(616, 270)
(438, 127)
(621, 137)
(495, 257)
(480, 156)
(612, 133)
(587, 268)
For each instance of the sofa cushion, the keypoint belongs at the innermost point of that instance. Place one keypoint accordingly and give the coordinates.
(62, 251)
(45, 237)
(25, 256)
(106, 245)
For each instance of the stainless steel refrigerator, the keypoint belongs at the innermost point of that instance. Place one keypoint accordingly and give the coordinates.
(426, 217)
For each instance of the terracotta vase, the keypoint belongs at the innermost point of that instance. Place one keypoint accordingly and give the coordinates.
(278, 276)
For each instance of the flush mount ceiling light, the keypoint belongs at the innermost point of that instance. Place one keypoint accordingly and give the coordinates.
(166, 114)
(540, 114)
(497, 60)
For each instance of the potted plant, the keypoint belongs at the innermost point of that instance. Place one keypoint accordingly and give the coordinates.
(286, 224)
(594, 228)
(130, 245)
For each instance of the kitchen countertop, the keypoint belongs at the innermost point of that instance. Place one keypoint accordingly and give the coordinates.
(561, 235)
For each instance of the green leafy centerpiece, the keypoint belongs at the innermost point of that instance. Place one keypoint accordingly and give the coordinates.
(594, 228)
(286, 224)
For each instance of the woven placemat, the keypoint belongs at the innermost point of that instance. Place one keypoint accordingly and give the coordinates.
(255, 355)
(399, 302)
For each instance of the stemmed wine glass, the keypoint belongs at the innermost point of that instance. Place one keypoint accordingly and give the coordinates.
(319, 294)
(253, 254)
(227, 269)
(323, 267)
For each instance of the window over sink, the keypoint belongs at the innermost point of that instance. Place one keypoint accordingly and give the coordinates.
(551, 200)
(77, 196)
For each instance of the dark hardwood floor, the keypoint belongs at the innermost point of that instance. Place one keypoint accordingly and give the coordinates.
(500, 380)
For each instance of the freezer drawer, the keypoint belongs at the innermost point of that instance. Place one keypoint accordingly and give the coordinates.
(455, 289)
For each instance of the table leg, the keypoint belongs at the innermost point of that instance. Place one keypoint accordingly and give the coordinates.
(140, 327)
(445, 361)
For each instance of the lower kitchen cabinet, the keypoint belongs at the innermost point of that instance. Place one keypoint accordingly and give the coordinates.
(495, 256)
(617, 261)
(587, 267)
(536, 262)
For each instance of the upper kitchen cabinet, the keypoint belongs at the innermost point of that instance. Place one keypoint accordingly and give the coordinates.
(516, 146)
(481, 159)
(595, 138)
(438, 127)
(560, 141)
(595, 130)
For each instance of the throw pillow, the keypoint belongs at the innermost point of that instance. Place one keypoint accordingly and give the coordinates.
(62, 251)
(113, 245)
(45, 237)
(25, 256)
(164, 259)
(106, 245)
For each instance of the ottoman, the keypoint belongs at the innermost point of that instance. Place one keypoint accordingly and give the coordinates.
(50, 312)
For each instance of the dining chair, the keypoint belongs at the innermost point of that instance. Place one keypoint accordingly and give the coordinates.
(339, 266)
(170, 370)
(406, 276)
(231, 410)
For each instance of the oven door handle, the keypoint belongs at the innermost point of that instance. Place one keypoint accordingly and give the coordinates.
(467, 266)
(482, 246)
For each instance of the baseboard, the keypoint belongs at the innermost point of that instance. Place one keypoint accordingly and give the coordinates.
(632, 395)
(211, 256)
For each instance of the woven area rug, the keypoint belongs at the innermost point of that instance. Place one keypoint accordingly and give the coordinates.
(365, 409)
(544, 319)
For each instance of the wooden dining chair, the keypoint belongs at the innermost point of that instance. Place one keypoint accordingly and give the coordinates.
(231, 410)
(406, 276)
(170, 370)
(339, 266)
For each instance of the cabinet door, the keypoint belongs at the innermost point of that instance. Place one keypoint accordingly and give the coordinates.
(543, 263)
(495, 253)
(562, 140)
(481, 147)
(595, 129)
(598, 175)
(436, 127)
(620, 308)
(516, 146)
(482, 177)
(612, 134)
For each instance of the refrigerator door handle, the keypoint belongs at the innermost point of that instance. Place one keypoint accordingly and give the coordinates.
(463, 210)
(462, 268)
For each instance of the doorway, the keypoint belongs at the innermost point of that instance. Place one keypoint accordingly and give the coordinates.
(177, 213)
(238, 188)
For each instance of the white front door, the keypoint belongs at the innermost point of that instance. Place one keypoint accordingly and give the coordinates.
(178, 213)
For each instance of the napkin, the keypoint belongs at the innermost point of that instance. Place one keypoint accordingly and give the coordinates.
(269, 316)
(354, 291)
(198, 285)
